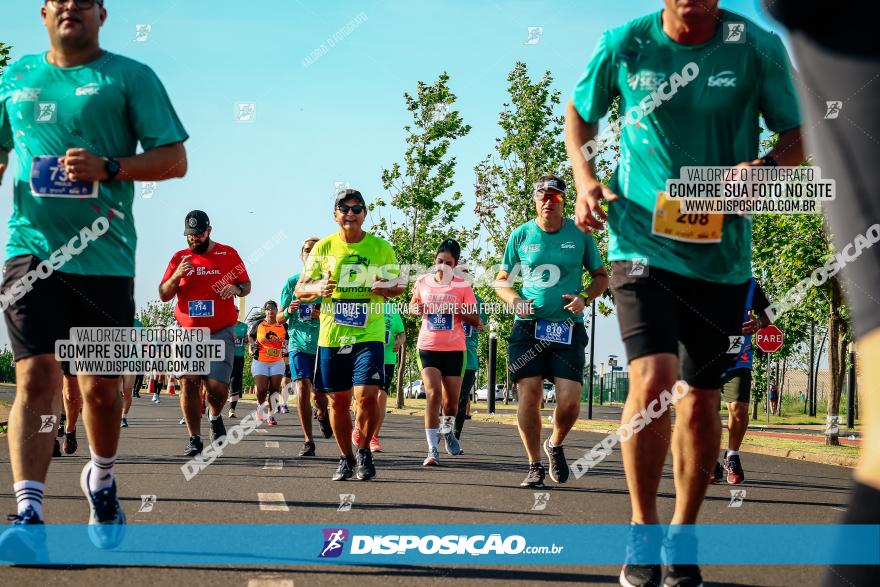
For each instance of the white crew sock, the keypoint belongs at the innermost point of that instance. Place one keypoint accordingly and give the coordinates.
(29, 494)
(446, 424)
(731, 453)
(433, 436)
(217, 417)
(103, 472)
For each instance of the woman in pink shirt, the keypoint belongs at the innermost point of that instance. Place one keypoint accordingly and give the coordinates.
(445, 302)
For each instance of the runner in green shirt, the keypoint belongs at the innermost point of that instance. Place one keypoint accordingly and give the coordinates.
(75, 116)
(472, 340)
(303, 320)
(354, 273)
(693, 81)
(236, 382)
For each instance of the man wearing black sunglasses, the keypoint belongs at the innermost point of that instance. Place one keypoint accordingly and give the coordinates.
(354, 272)
(75, 116)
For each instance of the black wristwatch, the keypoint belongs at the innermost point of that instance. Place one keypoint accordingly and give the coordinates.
(769, 161)
(112, 167)
(240, 287)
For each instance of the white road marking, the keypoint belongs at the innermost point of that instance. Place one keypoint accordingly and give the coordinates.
(272, 502)
(273, 464)
(272, 444)
(270, 583)
(262, 431)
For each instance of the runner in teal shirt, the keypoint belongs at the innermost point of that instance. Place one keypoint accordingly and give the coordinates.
(472, 341)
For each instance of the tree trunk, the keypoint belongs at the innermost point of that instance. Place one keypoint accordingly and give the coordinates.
(837, 360)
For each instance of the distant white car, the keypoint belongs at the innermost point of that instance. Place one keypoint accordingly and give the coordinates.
(483, 394)
(415, 389)
(549, 393)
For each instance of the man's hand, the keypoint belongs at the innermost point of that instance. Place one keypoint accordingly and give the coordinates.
(81, 165)
(328, 286)
(182, 269)
(587, 207)
(381, 287)
(229, 291)
(522, 308)
(753, 325)
(293, 307)
(576, 303)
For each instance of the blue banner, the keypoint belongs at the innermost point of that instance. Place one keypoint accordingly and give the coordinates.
(414, 544)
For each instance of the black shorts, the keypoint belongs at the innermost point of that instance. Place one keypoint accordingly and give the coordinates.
(737, 385)
(60, 302)
(236, 382)
(663, 312)
(530, 357)
(388, 377)
(449, 363)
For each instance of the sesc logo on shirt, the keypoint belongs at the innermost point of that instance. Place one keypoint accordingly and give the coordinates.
(90, 89)
(724, 79)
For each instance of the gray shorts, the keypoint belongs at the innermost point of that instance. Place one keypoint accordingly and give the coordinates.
(222, 370)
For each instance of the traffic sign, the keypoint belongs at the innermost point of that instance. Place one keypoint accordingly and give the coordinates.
(769, 339)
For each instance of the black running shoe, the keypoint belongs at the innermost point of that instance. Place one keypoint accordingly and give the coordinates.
(308, 449)
(558, 465)
(193, 447)
(70, 444)
(135, 393)
(61, 421)
(642, 556)
(218, 429)
(717, 476)
(683, 576)
(345, 469)
(641, 576)
(326, 428)
(365, 469)
(535, 478)
(56, 449)
(735, 473)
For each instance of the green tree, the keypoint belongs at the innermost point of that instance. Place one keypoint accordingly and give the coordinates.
(157, 313)
(7, 366)
(423, 214)
(4, 56)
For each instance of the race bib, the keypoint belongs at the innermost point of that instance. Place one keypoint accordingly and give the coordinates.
(49, 179)
(468, 330)
(440, 321)
(305, 312)
(201, 308)
(559, 332)
(238, 341)
(349, 313)
(690, 228)
(272, 353)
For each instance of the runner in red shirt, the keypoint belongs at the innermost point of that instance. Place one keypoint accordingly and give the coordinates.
(205, 277)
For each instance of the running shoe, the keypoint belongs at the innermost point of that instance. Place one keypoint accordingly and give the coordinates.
(231, 414)
(365, 469)
(717, 476)
(194, 446)
(124, 423)
(155, 399)
(285, 409)
(374, 445)
(25, 542)
(182, 421)
(433, 459)
(452, 445)
(535, 478)
(218, 429)
(681, 546)
(558, 465)
(642, 552)
(308, 449)
(70, 443)
(135, 393)
(683, 576)
(356, 436)
(272, 421)
(56, 449)
(106, 518)
(345, 469)
(735, 473)
(324, 421)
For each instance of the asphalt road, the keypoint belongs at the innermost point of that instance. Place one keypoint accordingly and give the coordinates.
(479, 487)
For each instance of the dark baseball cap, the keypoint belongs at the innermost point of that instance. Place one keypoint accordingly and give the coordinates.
(196, 223)
(549, 182)
(348, 194)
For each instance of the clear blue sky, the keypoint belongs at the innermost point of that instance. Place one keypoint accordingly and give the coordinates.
(340, 118)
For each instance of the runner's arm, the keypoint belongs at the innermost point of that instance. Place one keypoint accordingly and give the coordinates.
(510, 296)
(4, 161)
(598, 284)
(165, 162)
(788, 152)
(578, 132)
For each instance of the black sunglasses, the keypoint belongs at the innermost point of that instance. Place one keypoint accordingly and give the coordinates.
(81, 4)
(357, 208)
